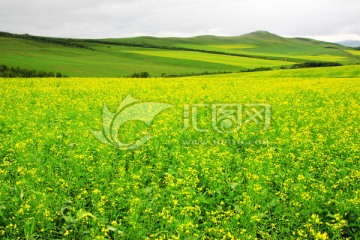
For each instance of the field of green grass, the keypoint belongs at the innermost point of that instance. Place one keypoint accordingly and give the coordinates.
(165, 56)
(240, 62)
(261, 44)
(101, 62)
(349, 71)
(354, 52)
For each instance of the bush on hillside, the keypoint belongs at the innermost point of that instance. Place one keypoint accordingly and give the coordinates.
(140, 75)
(16, 72)
(315, 64)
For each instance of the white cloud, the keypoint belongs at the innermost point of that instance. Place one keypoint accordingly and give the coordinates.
(331, 19)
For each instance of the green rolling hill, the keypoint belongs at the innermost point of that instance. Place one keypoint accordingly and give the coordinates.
(260, 44)
(348, 71)
(166, 56)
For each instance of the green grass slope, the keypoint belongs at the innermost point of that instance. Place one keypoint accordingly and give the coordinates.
(257, 44)
(349, 71)
(89, 59)
(101, 62)
(169, 56)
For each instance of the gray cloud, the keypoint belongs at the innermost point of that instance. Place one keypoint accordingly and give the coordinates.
(327, 19)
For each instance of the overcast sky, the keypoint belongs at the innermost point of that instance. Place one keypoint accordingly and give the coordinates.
(330, 20)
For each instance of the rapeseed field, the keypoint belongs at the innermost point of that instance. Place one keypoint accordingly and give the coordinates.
(280, 160)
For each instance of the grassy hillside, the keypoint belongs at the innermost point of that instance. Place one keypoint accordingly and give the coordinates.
(102, 62)
(350, 71)
(169, 56)
(260, 43)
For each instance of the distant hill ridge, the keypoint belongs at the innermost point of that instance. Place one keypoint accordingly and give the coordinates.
(350, 43)
(169, 56)
(252, 37)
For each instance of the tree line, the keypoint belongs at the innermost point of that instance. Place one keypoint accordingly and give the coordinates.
(312, 65)
(16, 72)
(61, 41)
